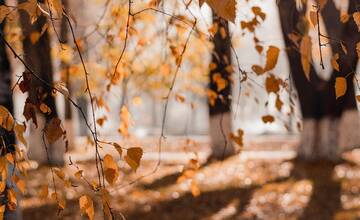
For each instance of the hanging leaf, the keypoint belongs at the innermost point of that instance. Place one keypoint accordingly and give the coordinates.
(118, 148)
(87, 206)
(133, 157)
(340, 86)
(334, 62)
(111, 169)
(19, 130)
(305, 51)
(356, 17)
(6, 119)
(53, 130)
(223, 8)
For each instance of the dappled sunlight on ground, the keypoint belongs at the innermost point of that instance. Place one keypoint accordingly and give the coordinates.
(235, 188)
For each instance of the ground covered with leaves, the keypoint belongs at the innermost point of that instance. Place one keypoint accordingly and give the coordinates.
(250, 185)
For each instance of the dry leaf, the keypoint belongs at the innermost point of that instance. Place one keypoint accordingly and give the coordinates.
(111, 169)
(340, 86)
(334, 62)
(272, 55)
(53, 130)
(305, 51)
(268, 119)
(356, 17)
(223, 8)
(19, 132)
(87, 206)
(6, 119)
(133, 157)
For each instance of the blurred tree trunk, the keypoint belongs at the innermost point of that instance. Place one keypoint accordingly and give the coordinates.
(37, 55)
(65, 68)
(6, 100)
(220, 83)
(329, 125)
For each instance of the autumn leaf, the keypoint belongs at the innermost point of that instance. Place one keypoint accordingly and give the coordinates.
(272, 55)
(4, 11)
(334, 62)
(44, 192)
(53, 130)
(268, 119)
(356, 17)
(87, 206)
(44, 108)
(238, 138)
(111, 169)
(133, 157)
(305, 51)
(118, 148)
(6, 119)
(59, 173)
(31, 7)
(340, 86)
(223, 8)
(19, 133)
(272, 84)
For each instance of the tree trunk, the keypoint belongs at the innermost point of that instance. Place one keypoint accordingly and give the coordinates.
(65, 67)
(38, 57)
(7, 138)
(220, 108)
(324, 116)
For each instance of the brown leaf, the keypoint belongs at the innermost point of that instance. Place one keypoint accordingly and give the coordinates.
(6, 119)
(223, 8)
(356, 17)
(133, 157)
(334, 62)
(111, 169)
(340, 86)
(272, 55)
(87, 206)
(53, 130)
(305, 51)
(268, 119)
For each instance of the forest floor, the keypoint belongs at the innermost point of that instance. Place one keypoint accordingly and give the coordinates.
(259, 183)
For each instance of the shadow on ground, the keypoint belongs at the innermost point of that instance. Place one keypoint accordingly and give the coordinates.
(324, 201)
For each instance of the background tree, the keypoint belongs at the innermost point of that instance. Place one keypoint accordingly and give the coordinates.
(36, 48)
(220, 91)
(325, 113)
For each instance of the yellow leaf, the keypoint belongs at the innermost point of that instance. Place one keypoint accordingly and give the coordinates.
(6, 119)
(34, 37)
(118, 148)
(111, 170)
(340, 86)
(31, 7)
(223, 8)
(59, 173)
(305, 51)
(133, 157)
(334, 62)
(313, 18)
(44, 108)
(44, 192)
(4, 11)
(87, 206)
(272, 55)
(137, 100)
(356, 17)
(19, 132)
(78, 174)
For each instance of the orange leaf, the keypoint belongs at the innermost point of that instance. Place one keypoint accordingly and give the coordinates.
(340, 86)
